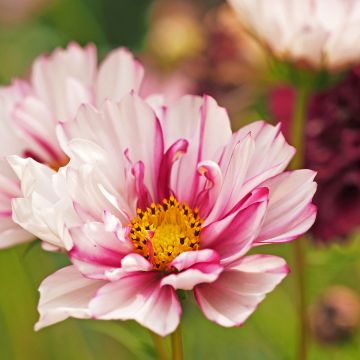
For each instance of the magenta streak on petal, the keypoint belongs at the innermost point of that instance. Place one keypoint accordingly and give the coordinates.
(144, 198)
(5, 213)
(159, 151)
(45, 145)
(32, 155)
(257, 195)
(102, 256)
(174, 152)
(203, 112)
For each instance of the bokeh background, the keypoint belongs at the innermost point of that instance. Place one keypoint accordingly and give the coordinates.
(199, 47)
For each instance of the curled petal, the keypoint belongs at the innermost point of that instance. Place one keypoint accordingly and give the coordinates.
(175, 151)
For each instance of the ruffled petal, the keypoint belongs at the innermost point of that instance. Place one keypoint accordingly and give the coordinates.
(125, 127)
(139, 296)
(231, 299)
(43, 208)
(195, 267)
(64, 294)
(97, 251)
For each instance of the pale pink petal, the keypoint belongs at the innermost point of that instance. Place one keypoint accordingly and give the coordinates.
(232, 236)
(234, 175)
(135, 262)
(93, 193)
(214, 180)
(50, 76)
(139, 296)
(35, 124)
(188, 259)
(244, 167)
(231, 299)
(64, 294)
(10, 232)
(118, 75)
(97, 251)
(43, 207)
(206, 127)
(174, 153)
(290, 212)
(195, 267)
(125, 127)
(13, 234)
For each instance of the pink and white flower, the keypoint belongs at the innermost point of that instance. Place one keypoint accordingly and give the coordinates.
(170, 200)
(31, 110)
(317, 33)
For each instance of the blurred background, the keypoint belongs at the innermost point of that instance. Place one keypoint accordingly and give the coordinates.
(200, 47)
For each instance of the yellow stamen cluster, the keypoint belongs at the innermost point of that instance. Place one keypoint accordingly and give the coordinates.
(163, 231)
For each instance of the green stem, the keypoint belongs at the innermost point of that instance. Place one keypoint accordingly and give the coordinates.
(159, 344)
(298, 125)
(297, 140)
(176, 344)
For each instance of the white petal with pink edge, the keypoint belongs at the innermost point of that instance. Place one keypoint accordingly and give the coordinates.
(139, 296)
(64, 294)
(231, 299)
(195, 267)
(290, 212)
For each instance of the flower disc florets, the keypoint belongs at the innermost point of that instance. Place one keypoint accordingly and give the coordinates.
(163, 231)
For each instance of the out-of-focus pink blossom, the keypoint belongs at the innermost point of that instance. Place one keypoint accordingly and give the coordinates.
(166, 199)
(31, 110)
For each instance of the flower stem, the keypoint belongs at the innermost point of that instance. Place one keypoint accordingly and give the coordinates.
(297, 140)
(176, 344)
(159, 345)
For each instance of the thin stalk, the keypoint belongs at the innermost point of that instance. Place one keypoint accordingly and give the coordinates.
(176, 344)
(297, 140)
(159, 344)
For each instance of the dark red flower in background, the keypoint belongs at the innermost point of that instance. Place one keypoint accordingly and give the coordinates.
(332, 148)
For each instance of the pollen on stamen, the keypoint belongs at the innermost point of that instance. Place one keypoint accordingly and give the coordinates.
(163, 231)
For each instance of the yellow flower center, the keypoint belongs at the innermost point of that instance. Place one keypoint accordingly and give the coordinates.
(163, 231)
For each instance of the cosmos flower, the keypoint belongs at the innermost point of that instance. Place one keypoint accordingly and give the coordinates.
(165, 200)
(30, 111)
(313, 33)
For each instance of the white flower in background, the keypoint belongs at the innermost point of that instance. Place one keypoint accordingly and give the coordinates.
(314, 33)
